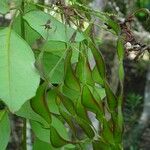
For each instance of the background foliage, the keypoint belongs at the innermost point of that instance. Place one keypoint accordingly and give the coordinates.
(53, 74)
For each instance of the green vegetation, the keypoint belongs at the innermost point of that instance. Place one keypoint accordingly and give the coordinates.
(46, 77)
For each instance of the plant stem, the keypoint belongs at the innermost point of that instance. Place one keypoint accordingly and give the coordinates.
(24, 136)
(22, 21)
(41, 2)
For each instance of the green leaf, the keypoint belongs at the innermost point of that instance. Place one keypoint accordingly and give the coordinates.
(4, 7)
(41, 133)
(60, 127)
(68, 104)
(71, 86)
(111, 98)
(100, 91)
(86, 127)
(58, 31)
(90, 103)
(99, 145)
(99, 60)
(96, 76)
(70, 80)
(114, 25)
(69, 119)
(97, 92)
(121, 72)
(44, 133)
(120, 49)
(53, 67)
(52, 102)
(29, 7)
(58, 48)
(39, 103)
(30, 35)
(16, 2)
(81, 111)
(38, 145)
(83, 70)
(27, 112)
(4, 129)
(118, 134)
(56, 140)
(52, 70)
(107, 133)
(119, 125)
(19, 79)
(70, 93)
(54, 47)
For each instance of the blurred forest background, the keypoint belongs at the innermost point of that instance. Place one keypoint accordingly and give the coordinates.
(137, 69)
